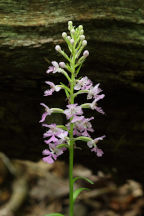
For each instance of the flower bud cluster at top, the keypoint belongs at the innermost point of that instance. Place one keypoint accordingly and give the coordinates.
(58, 137)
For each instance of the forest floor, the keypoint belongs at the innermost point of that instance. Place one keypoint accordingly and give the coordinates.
(36, 189)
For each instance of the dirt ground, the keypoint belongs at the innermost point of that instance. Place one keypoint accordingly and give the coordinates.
(36, 189)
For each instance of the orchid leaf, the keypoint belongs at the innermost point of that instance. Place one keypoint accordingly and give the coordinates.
(81, 177)
(77, 192)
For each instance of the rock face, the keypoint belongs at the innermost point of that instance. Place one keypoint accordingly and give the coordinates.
(114, 29)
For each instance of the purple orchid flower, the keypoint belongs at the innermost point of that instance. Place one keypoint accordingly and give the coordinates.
(53, 88)
(83, 84)
(94, 91)
(47, 112)
(81, 126)
(99, 97)
(75, 130)
(77, 119)
(59, 151)
(50, 156)
(57, 135)
(54, 130)
(98, 151)
(73, 110)
(48, 92)
(63, 135)
(95, 141)
(93, 106)
(54, 68)
(87, 126)
(53, 146)
(52, 139)
(92, 145)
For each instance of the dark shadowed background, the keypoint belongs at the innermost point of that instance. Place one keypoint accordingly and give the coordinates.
(29, 31)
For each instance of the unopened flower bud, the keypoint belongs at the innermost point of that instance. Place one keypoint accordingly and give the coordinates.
(72, 41)
(64, 34)
(70, 22)
(70, 25)
(68, 37)
(80, 27)
(81, 31)
(84, 43)
(62, 64)
(86, 53)
(58, 48)
(82, 37)
(72, 31)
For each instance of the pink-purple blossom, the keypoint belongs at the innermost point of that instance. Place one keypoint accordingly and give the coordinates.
(99, 152)
(47, 112)
(83, 84)
(54, 131)
(53, 88)
(56, 136)
(93, 145)
(99, 97)
(63, 136)
(58, 151)
(77, 119)
(81, 126)
(73, 110)
(50, 156)
(93, 106)
(94, 91)
(54, 68)
(95, 141)
(52, 139)
(84, 126)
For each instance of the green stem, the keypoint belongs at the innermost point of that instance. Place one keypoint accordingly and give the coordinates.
(71, 208)
(71, 149)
